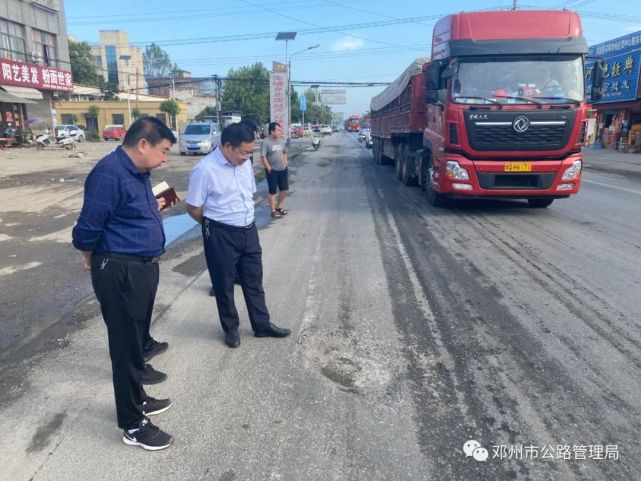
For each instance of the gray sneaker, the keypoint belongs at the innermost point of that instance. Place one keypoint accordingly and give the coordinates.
(147, 436)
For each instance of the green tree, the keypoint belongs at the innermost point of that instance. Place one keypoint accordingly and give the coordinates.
(156, 62)
(92, 119)
(172, 108)
(83, 68)
(316, 114)
(247, 90)
(135, 113)
(206, 112)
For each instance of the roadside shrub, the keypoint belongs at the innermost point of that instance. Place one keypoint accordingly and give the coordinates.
(92, 136)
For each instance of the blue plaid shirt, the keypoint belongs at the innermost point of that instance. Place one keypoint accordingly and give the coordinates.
(120, 213)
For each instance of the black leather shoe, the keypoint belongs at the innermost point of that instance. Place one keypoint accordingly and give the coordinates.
(232, 339)
(273, 331)
(151, 376)
(153, 348)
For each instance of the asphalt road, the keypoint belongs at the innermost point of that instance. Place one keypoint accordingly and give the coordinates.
(415, 330)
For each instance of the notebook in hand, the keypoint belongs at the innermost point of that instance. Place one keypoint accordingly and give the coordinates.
(166, 192)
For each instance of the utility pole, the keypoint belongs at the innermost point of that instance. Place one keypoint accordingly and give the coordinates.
(137, 88)
(218, 82)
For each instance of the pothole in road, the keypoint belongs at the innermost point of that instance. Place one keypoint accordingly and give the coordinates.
(335, 355)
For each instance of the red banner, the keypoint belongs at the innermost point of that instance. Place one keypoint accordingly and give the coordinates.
(34, 76)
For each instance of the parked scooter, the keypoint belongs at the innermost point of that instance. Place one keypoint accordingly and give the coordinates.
(45, 141)
(316, 142)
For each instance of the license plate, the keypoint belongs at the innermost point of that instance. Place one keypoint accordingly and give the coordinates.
(517, 167)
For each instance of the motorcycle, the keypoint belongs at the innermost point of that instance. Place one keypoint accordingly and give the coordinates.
(44, 141)
(316, 142)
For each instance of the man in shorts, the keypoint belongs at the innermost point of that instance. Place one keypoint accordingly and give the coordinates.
(274, 155)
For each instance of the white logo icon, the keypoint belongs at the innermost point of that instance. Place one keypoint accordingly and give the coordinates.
(480, 454)
(473, 448)
(470, 446)
(520, 124)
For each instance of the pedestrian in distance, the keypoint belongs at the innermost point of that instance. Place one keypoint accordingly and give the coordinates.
(120, 235)
(274, 155)
(220, 199)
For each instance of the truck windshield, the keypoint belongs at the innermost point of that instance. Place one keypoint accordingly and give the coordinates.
(540, 80)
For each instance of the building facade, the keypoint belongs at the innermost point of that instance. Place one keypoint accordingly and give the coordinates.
(34, 63)
(618, 113)
(119, 63)
(85, 106)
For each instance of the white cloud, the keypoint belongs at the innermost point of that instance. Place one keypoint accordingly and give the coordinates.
(347, 43)
(633, 28)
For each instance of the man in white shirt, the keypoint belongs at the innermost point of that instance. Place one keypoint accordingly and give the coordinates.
(220, 197)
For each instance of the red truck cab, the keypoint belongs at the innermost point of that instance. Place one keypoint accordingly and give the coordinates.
(501, 111)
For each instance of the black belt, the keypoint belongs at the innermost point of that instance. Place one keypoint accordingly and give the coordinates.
(130, 257)
(215, 223)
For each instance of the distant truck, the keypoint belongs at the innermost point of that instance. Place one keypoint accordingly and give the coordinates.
(353, 123)
(498, 111)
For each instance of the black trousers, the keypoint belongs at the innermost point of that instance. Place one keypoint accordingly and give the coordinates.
(126, 290)
(229, 249)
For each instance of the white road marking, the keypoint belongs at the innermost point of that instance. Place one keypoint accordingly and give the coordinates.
(632, 191)
(14, 269)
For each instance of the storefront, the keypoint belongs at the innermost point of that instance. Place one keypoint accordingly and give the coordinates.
(619, 111)
(27, 94)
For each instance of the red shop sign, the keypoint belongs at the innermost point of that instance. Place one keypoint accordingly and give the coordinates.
(34, 76)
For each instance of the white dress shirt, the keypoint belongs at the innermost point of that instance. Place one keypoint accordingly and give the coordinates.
(223, 190)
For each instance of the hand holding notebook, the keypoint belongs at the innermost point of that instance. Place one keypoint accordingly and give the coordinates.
(166, 195)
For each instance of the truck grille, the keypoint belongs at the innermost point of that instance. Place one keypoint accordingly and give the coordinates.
(519, 131)
(515, 181)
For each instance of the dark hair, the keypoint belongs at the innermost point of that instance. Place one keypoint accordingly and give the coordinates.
(149, 128)
(250, 124)
(272, 127)
(236, 134)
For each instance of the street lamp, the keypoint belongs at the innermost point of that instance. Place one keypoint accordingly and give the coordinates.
(289, 83)
(126, 59)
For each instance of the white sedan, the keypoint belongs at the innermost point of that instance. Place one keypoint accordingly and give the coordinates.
(66, 131)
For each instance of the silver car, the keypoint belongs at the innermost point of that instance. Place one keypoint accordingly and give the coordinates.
(199, 138)
(69, 131)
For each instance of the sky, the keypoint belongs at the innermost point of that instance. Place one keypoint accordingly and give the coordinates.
(358, 40)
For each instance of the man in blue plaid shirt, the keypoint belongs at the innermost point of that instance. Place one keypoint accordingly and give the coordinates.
(120, 235)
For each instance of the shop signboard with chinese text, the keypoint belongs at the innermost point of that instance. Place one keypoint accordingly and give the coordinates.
(34, 76)
(623, 59)
(278, 95)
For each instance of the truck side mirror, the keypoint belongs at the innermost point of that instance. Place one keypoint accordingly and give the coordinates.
(432, 83)
(598, 76)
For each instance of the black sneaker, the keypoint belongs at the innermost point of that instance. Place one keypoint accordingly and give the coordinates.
(153, 348)
(151, 376)
(152, 406)
(147, 436)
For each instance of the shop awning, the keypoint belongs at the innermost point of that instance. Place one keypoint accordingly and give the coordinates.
(12, 99)
(23, 92)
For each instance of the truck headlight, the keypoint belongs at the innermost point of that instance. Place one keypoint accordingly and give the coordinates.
(574, 172)
(454, 171)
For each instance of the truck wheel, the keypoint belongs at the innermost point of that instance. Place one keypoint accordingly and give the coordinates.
(424, 176)
(376, 152)
(434, 198)
(399, 161)
(406, 173)
(539, 203)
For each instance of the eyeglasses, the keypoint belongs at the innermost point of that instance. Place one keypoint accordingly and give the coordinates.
(245, 153)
